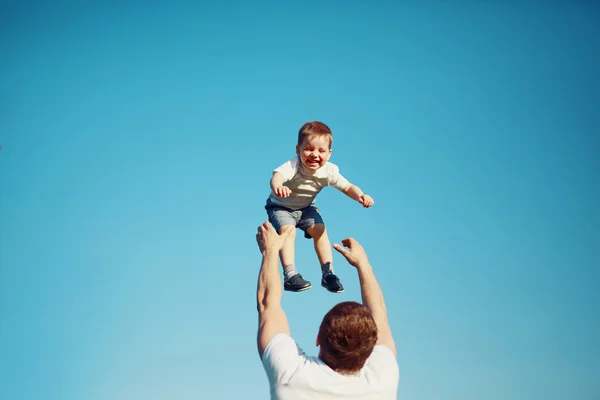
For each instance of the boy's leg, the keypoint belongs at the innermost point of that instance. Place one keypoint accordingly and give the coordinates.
(293, 281)
(280, 217)
(323, 248)
(286, 254)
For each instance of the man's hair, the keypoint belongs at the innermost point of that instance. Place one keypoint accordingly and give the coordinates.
(312, 129)
(347, 337)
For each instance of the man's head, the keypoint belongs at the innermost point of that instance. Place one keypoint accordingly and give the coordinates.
(347, 337)
(314, 144)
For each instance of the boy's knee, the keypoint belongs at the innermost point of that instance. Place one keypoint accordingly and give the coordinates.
(292, 233)
(316, 230)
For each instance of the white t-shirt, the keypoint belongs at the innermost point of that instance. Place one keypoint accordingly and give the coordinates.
(295, 376)
(306, 184)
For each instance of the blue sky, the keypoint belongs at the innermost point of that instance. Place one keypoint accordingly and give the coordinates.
(137, 145)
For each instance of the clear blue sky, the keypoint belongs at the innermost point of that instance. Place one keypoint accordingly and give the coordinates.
(138, 141)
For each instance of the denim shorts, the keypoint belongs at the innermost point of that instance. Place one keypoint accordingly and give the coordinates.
(302, 219)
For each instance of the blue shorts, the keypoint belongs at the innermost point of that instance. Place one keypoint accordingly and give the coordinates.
(302, 219)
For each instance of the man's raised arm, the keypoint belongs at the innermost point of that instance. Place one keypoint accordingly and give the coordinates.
(271, 317)
(372, 295)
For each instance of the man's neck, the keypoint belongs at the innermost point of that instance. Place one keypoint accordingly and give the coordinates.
(342, 372)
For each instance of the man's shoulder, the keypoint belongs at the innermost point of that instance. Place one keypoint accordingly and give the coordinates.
(282, 346)
(383, 351)
(281, 358)
(383, 361)
(279, 340)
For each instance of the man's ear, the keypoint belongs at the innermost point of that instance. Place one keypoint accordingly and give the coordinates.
(298, 150)
(318, 343)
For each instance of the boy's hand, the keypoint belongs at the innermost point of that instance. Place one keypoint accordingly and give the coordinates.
(366, 200)
(356, 254)
(282, 191)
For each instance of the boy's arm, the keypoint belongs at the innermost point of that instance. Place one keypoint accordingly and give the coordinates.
(281, 174)
(355, 193)
(340, 183)
(277, 180)
(277, 185)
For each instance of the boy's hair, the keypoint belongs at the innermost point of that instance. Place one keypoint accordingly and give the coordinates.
(347, 336)
(314, 128)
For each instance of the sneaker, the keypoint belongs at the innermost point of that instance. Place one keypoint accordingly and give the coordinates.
(296, 284)
(332, 283)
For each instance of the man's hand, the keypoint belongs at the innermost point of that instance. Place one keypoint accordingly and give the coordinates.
(282, 191)
(355, 255)
(366, 200)
(268, 239)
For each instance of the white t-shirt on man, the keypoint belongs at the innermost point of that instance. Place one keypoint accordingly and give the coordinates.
(295, 376)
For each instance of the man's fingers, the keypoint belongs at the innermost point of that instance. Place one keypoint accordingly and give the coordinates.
(265, 227)
(286, 230)
(259, 240)
(348, 242)
(340, 249)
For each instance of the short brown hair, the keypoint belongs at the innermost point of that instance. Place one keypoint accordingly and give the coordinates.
(347, 337)
(314, 128)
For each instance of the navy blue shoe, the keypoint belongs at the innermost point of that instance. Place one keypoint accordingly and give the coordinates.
(296, 283)
(332, 283)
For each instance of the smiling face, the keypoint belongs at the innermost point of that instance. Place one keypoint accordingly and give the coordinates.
(314, 151)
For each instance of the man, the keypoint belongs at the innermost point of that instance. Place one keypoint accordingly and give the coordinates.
(357, 354)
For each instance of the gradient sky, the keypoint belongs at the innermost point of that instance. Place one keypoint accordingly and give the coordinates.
(138, 142)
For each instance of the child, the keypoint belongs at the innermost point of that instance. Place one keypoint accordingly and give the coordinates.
(294, 187)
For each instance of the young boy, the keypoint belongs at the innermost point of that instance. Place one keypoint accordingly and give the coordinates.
(294, 187)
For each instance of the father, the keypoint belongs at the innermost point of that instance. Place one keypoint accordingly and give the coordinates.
(357, 355)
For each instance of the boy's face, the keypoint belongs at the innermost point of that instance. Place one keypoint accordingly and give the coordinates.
(314, 152)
